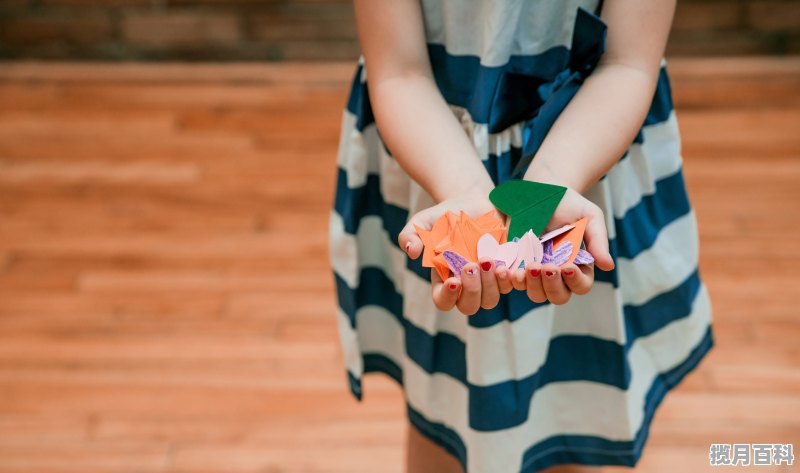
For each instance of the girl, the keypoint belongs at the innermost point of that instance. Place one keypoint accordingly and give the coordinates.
(453, 97)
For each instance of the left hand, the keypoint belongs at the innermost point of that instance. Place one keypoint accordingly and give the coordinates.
(558, 283)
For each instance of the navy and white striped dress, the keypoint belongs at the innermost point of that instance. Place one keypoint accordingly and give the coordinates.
(522, 386)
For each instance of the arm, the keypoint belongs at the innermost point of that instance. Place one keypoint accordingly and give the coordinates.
(602, 120)
(426, 140)
(414, 120)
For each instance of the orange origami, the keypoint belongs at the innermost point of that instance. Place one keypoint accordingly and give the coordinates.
(459, 234)
(574, 236)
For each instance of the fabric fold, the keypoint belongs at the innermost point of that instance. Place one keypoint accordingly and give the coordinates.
(588, 45)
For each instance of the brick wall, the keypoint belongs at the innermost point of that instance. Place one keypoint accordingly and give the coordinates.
(316, 29)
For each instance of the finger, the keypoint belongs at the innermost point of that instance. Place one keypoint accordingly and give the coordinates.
(579, 280)
(445, 294)
(518, 279)
(408, 239)
(533, 283)
(504, 279)
(596, 237)
(470, 299)
(553, 285)
(490, 293)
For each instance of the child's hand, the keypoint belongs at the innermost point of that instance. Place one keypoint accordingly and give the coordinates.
(481, 283)
(557, 284)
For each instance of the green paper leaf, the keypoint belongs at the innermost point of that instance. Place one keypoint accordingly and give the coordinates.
(529, 204)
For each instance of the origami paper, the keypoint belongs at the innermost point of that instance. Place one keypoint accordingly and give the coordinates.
(530, 250)
(547, 252)
(488, 220)
(452, 219)
(441, 267)
(574, 236)
(555, 233)
(443, 244)
(430, 238)
(471, 233)
(489, 223)
(529, 204)
(453, 240)
(456, 262)
(583, 257)
(504, 254)
(559, 257)
(458, 241)
(562, 254)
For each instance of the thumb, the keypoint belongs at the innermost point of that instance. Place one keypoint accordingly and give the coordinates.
(596, 238)
(409, 239)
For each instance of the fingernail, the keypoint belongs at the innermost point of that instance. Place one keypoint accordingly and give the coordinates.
(486, 265)
(534, 272)
(568, 272)
(549, 274)
(408, 246)
(453, 286)
(471, 271)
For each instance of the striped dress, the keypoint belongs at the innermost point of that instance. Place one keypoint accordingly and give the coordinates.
(522, 386)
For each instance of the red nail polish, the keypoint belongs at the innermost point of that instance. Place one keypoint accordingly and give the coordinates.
(534, 272)
(408, 246)
(486, 265)
(568, 272)
(549, 273)
(453, 286)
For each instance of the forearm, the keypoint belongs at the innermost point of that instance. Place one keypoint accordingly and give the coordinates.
(425, 138)
(414, 121)
(596, 128)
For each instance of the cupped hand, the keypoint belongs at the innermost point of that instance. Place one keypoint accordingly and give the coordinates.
(556, 284)
(481, 283)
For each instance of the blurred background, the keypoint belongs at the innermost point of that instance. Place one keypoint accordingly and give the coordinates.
(166, 173)
(278, 30)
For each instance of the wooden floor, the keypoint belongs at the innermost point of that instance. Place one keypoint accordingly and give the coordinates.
(165, 298)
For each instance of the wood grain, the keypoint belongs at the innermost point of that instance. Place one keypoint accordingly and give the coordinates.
(165, 300)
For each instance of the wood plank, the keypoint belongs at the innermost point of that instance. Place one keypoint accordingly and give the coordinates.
(165, 298)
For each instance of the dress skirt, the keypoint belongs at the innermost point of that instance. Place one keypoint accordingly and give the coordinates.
(522, 386)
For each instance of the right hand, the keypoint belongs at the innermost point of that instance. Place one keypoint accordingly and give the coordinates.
(481, 283)
(558, 283)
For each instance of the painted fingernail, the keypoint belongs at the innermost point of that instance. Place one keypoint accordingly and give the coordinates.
(471, 271)
(568, 272)
(486, 265)
(408, 246)
(549, 274)
(453, 286)
(533, 272)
